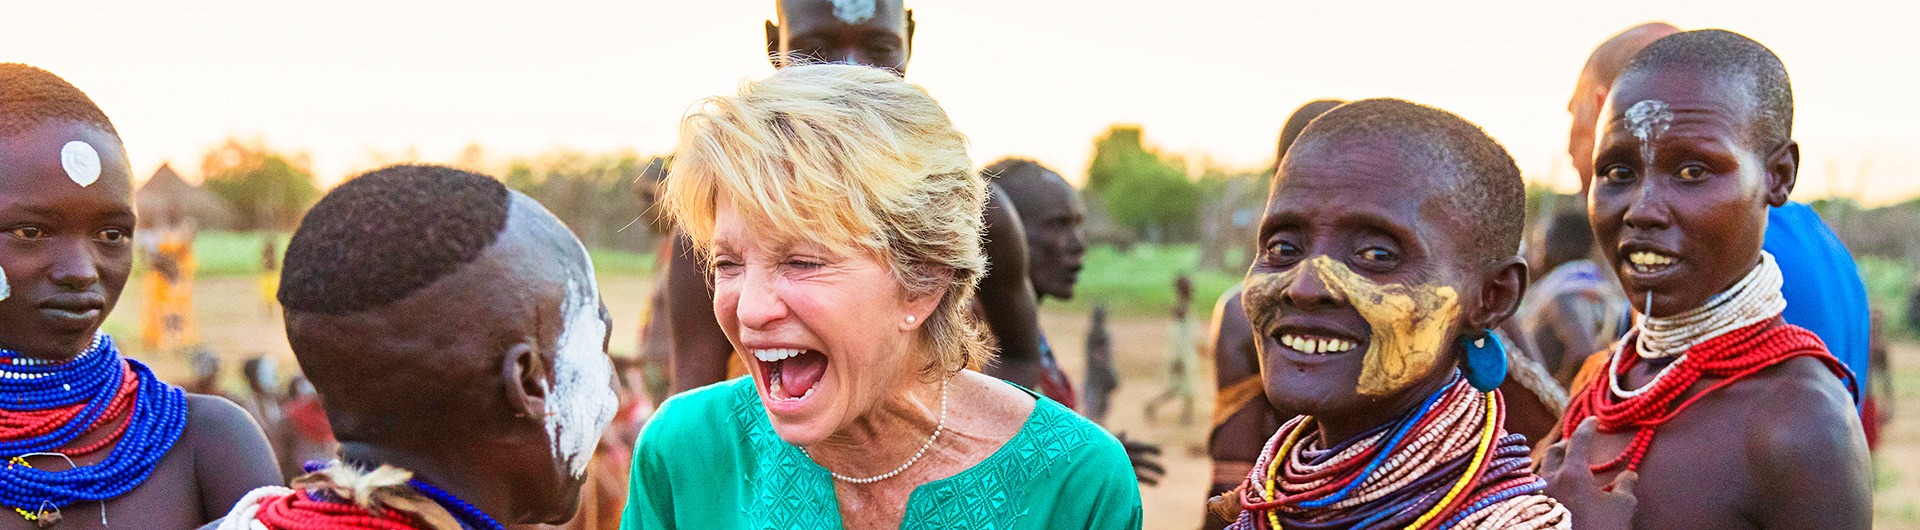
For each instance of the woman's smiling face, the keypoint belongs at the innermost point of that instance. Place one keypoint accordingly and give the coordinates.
(826, 335)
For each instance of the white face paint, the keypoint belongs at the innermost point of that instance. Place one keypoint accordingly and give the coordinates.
(853, 11)
(5, 288)
(582, 402)
(1647, 120)
(81, 161)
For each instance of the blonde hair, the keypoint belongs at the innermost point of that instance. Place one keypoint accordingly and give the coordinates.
(856, 160)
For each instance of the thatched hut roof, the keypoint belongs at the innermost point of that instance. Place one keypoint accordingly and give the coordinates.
(167, 195)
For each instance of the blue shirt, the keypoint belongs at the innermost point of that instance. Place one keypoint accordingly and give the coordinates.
(1823, 288)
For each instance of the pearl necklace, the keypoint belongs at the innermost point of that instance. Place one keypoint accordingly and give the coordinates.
(938, 428)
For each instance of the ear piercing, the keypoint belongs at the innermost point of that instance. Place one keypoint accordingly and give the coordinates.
(910, 319)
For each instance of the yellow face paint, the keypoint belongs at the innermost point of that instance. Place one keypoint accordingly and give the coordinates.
(1410, 322)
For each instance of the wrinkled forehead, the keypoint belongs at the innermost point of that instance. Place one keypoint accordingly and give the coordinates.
(769, 223)
(800, 17)
(1372, 169)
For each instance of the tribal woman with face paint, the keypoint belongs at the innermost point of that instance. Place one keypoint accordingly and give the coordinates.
(841, 220)
(454, 331)
(89, 438)
(1389, 249)
(1713, 387)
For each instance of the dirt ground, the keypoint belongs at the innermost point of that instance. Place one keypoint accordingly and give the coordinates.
(234, 322)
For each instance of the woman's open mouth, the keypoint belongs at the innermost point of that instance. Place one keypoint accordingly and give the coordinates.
(791, 373)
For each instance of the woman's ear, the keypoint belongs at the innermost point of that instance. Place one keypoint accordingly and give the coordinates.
(1501, 288)
(524, 377)
(1783, 170)
(920, 306)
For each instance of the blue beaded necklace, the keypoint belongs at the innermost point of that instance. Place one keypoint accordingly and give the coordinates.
(158, 417)
(468, 515)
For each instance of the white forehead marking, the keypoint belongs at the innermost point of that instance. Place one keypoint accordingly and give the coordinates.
(853, 11)
(5, 289)
(582, 402)
(81, 162)
(1647, 120)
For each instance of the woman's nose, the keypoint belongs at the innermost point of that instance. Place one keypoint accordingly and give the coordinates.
(759, 304)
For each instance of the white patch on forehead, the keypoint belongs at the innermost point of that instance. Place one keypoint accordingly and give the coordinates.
(1647, 120)
(853, 11)
(81, 161)
(5, 289)
(581, 403)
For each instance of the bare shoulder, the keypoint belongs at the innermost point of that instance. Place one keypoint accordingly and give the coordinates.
(214, 419)
(1801, 417)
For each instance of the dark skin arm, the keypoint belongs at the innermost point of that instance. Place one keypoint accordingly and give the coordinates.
(1242, 436)
(700, 347)
(231, 455)
(1007, 296)
(1809, 477)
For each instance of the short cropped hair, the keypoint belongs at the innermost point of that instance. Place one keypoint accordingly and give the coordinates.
(854, 159)
(30, 97)
(1726, 54)
(1485, 182)
(1020, 178)
(1297, 122)
(387, 233)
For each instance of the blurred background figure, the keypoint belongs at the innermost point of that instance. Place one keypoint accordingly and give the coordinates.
(1574, 308)
(269, 275)
(1097, 388)
(166, 319)
(1182, 358)
(653, 360)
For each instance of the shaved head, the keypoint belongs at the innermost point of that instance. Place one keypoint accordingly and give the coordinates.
(1596, 78)
(876, 33)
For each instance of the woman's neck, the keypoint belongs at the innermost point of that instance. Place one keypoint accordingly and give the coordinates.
(889, 434)
(1339, 427)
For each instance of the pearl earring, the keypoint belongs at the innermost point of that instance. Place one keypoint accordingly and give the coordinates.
(909, 319)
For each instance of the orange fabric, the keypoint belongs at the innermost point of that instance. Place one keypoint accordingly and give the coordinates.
(1590, 370)
(1230, 400)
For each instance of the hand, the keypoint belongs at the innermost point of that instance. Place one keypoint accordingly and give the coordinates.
(1146, 460)
(1570, 480)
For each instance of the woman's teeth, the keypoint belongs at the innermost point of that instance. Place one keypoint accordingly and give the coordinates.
(776, 355)
(1316, 345)
(1644, 261)
(791, 373)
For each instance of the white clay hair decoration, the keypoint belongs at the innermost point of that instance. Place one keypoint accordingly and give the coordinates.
(81, 161)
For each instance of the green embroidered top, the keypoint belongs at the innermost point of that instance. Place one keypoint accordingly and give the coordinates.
(710, 459)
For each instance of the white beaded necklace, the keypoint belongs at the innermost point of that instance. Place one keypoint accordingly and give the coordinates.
(937, 429)
(1754, 299)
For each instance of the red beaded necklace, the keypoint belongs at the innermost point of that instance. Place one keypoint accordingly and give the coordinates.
(18, 425)
(1732, 356)
(297, 511)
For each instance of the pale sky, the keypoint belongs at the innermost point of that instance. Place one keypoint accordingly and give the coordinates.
(357, 82)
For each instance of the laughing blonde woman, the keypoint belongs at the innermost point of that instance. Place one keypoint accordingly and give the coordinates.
(840, 218)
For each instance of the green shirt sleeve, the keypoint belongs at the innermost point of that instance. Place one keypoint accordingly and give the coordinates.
(682, 466)
(1098, 489)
